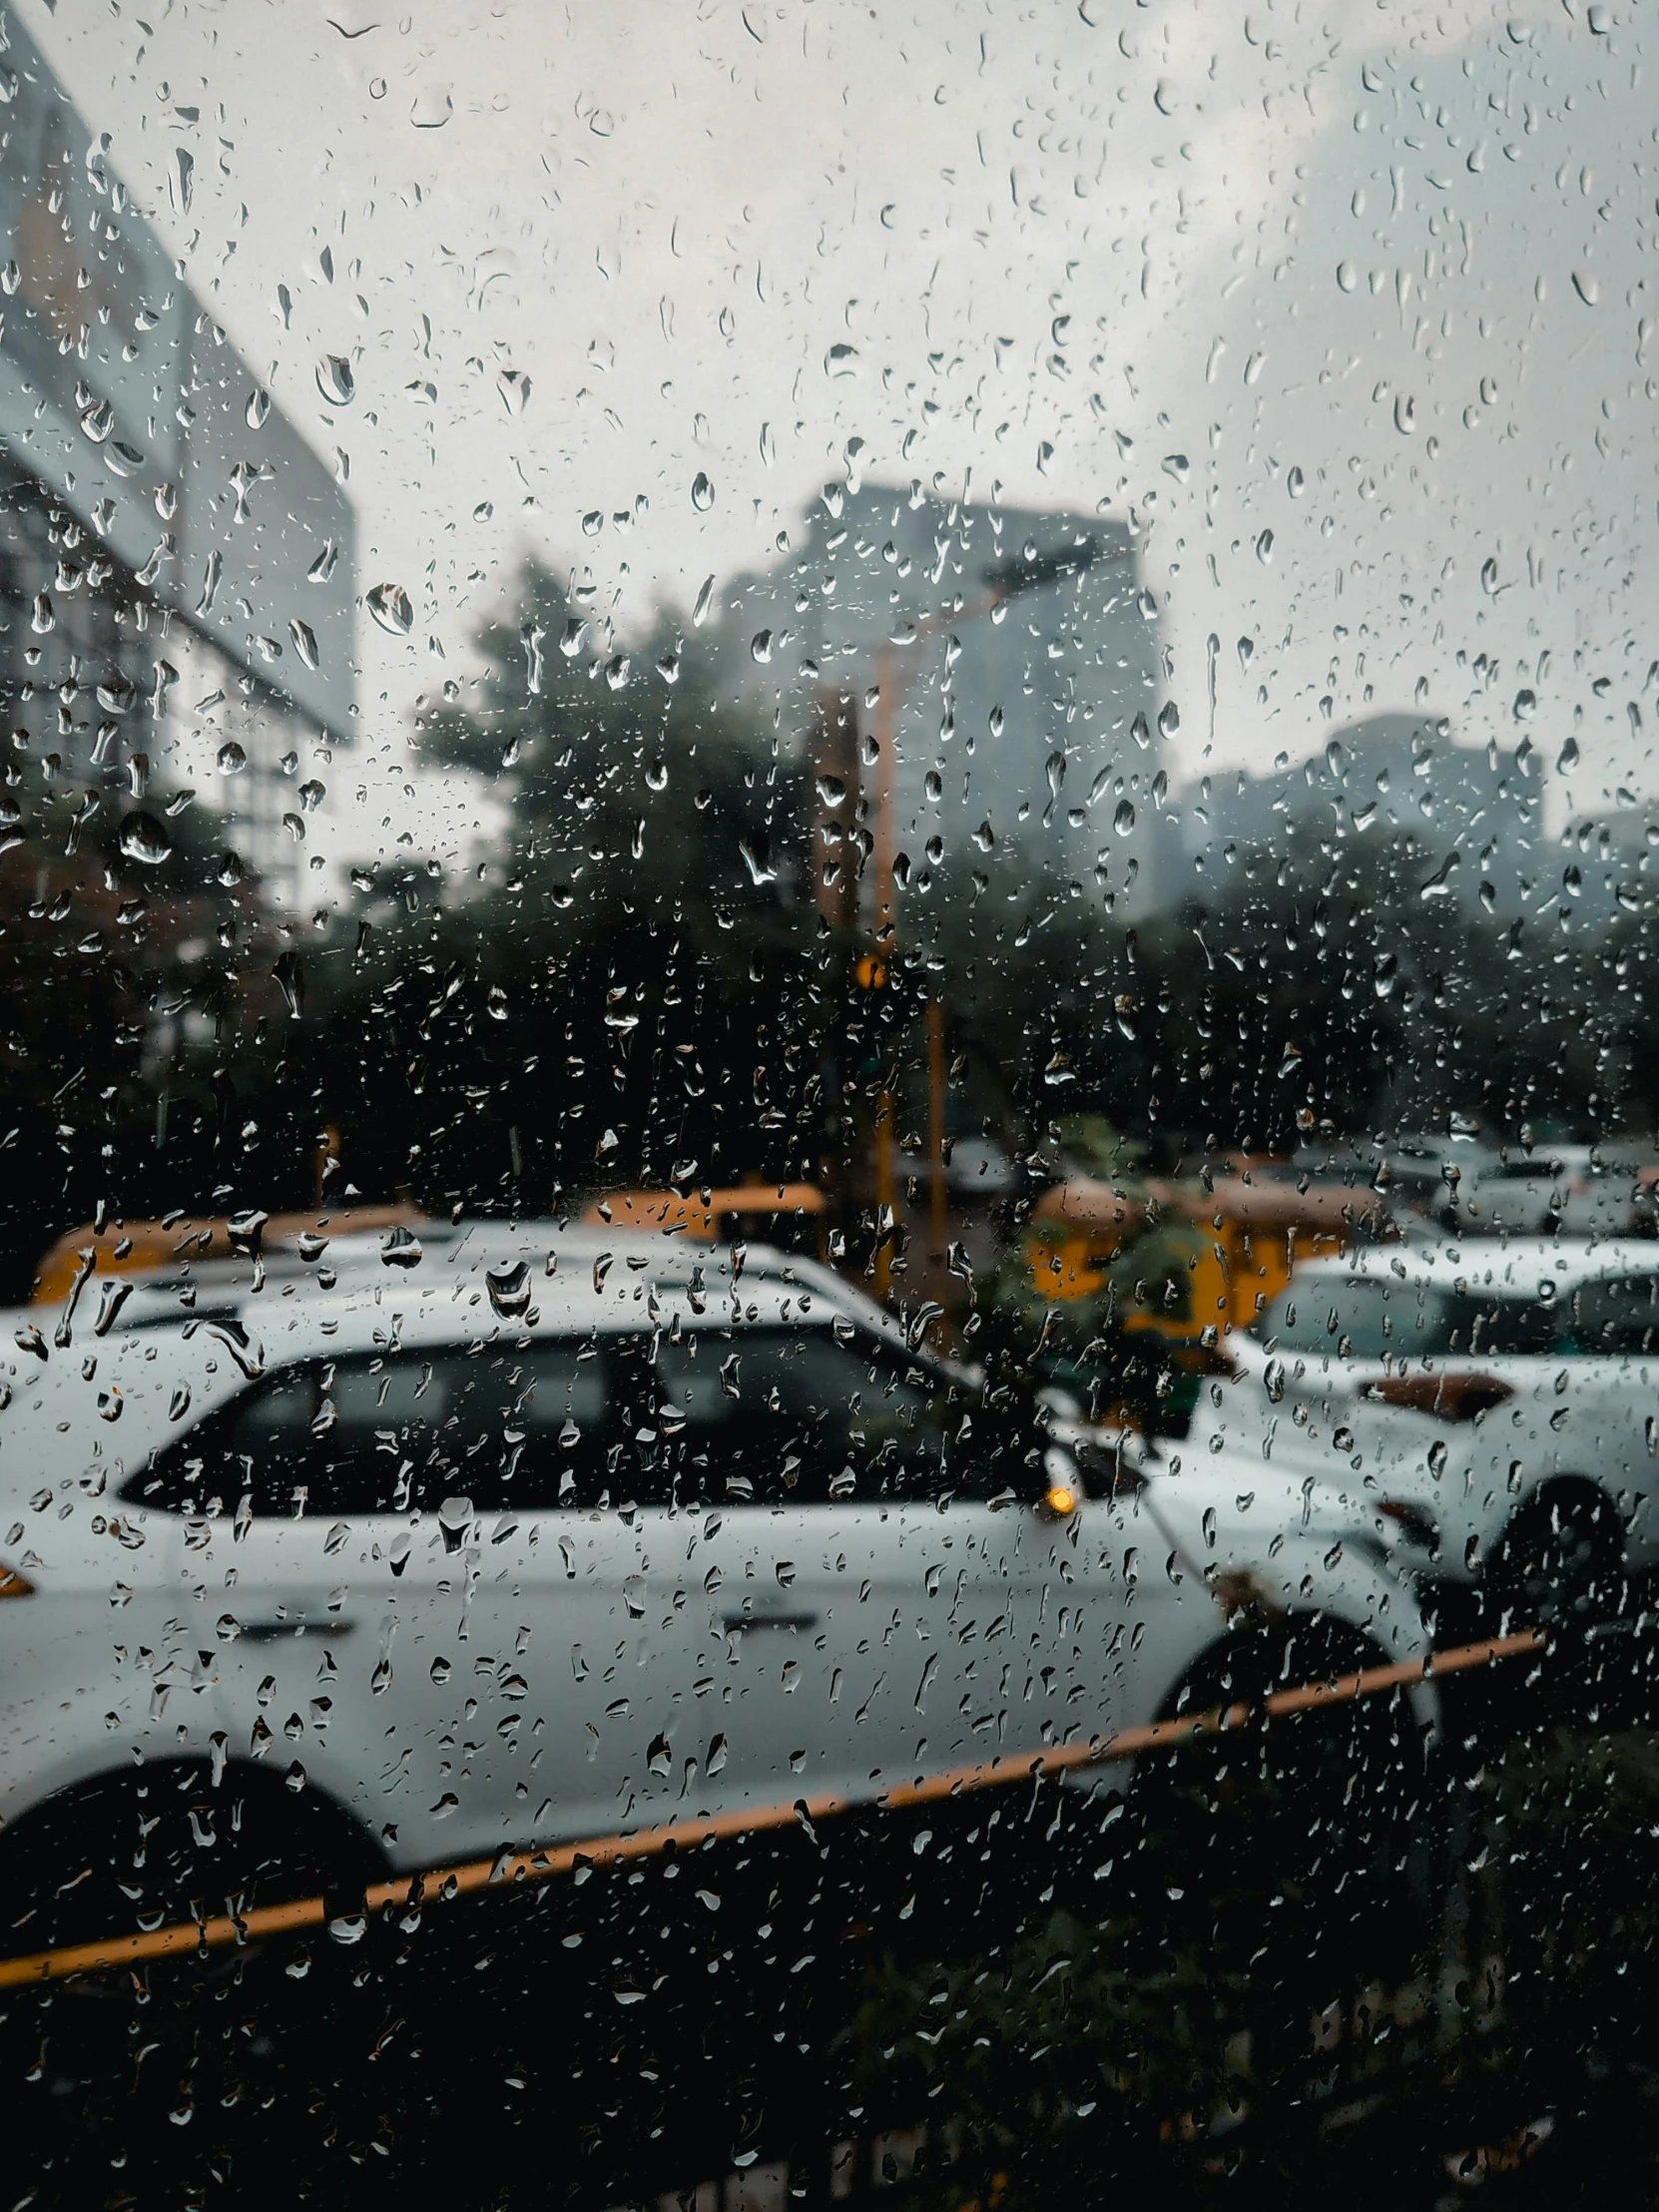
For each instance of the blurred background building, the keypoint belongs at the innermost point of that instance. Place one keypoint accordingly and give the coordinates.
(176, 563)
(1019, 671)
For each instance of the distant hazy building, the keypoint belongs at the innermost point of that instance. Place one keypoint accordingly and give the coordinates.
(167, 536)
(1474, 812)
(1023, 678)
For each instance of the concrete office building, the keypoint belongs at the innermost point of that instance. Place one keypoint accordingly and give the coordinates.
(1476, 814)
(176, 563)
(1023, 680)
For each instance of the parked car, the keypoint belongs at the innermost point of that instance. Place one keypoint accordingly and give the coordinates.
(1488, 1409)
(530, 1542)
(1574, 1190)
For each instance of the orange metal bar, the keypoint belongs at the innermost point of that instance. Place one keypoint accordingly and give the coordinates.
(650, 1842)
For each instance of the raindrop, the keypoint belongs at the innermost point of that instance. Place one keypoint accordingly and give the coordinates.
(995, 722)
(656, 776)
(232, 758)
(1264, 547)
(760, 647)
(514, 388)
(701, 498)
(455, 1518)
(1169, 719)
(336, 382)
(1124, 819)
(1526, 704)
(1178, 466)
(1567, 759)
(390, 605)
(97, 420)
(305, 641)
(509, 1287)
(1587, 286)
(144, 839)
(1348, 276)
(258, 406)
(1405, 413)
(700, 611)
(401, 1248)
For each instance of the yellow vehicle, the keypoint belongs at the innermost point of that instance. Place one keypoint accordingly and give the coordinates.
(795, 1214)
(140, 1247)
(1239, 1237)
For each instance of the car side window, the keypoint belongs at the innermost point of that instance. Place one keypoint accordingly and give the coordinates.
(385, 1433)
(770, 1417)
(1617, 1317)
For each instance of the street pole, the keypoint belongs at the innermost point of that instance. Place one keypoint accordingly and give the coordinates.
(885, 946)
(935, 1120)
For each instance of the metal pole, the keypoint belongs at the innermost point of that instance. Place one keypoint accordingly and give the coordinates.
(886, 937)
(935, 1120)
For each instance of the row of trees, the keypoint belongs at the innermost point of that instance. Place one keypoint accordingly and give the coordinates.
(642, 987)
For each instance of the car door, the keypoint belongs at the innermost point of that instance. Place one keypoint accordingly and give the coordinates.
(875, 1602)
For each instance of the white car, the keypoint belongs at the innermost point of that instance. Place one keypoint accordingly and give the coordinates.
(521, 1545)
(1576, 1190)
(1486, 1409)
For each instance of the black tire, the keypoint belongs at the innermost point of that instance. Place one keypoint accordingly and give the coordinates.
(1560, 1564)
(164, 1844)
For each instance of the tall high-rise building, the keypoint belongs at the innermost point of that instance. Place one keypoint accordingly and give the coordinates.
(1007, 656)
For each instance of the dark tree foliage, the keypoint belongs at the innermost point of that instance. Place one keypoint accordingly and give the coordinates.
(629, 995)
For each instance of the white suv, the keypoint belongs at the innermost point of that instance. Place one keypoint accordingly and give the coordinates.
(1485, 1408)
(528, 1544)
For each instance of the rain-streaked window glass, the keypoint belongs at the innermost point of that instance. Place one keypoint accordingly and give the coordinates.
(829, 1113)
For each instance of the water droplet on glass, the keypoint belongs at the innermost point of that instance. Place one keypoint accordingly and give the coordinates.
(390, 605)
(702, 497)
(1169, 719)
(995, 722)
(232, 758)
(1124, 819)
(1567, 759)
(1264, 547)
(401, 1248)
(656, 776)
(97, 420)
(1178, 466)
(759, 646)
(334, 380)
(514, 388)
(144, 839)
(305, 641)
(1348, 276)
(455, 1518)
(509, 1287)
(258, 406)
(1526, 704)
(1587, 286)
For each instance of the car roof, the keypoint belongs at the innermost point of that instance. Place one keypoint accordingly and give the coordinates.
(579, 1277)
(1519, 1264)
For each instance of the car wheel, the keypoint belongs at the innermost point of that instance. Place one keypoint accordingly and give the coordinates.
(1560, 1564)
(166, 1844)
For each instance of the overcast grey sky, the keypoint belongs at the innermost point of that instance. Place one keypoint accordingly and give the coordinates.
(1348, 306)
